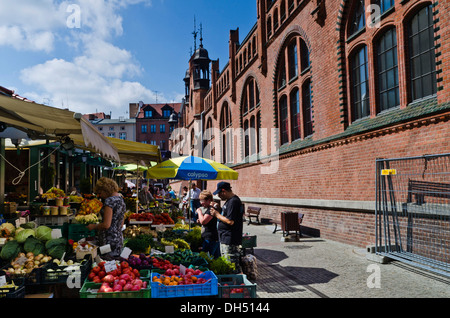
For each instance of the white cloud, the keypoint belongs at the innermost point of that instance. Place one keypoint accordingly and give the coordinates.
(100, 78)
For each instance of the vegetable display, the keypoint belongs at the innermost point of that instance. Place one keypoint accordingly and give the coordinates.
(7, 230)
(10, 250)
(22, 235)
(56, 247)
(34, 246)
(43, 233)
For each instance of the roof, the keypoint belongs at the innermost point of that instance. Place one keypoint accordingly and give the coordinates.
(158, 108)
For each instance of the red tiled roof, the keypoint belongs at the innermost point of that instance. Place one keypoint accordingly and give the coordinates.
(158, 108)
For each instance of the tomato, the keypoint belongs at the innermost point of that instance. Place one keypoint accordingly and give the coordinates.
(96, 269)
(91, 276)
(101, 274)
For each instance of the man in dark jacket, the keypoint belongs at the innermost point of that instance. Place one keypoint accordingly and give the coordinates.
(230, 224)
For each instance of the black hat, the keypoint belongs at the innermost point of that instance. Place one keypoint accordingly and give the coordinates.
(222, 185)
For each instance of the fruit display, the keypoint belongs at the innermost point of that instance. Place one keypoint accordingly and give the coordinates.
(141, 217)
(123, 278)
(89, 206)
(191, 277)
(75, 199)
(91, 218)
(163, 218)
(53, 193)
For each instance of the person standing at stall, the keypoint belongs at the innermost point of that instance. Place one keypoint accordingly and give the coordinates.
(145, 197)
(110, 230)
(195, 201)
(210, 236)
(230, 225)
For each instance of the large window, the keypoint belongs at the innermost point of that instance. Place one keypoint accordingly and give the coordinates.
(250, 103)
(422, 54)
(358, 19)
(388, 90)
(307, 109)
(284, 128)
(293, 61)
(294, 105)
(360, 84)
(295, 114)
(384, 4)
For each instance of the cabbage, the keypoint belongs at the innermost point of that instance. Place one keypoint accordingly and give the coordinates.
(56, 247)
(43, 233)
(24, 234)
(34, 246)
(10, 250)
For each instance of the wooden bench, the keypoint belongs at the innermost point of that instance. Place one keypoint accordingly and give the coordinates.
(277, 222)
(421, 189)
(252, 212)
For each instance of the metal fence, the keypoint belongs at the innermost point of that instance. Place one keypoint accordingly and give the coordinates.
(413, 211)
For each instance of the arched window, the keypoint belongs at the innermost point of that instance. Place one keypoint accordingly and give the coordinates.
(360, 84)
(384, 4)
(293, 102)
(282, 11)
(269, 26)
(388, 90)
(358, 21)
(295, 114)
(225, 122)
(275, 20)
(422, 54)
(284, 121)
(307, 109)
(293, 59)
(250, 102)
(246, 140)
(304, 51)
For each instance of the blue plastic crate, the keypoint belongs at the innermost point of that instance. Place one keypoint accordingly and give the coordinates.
(209, 288)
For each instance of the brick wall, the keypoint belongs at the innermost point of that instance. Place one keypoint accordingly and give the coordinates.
(337, 163)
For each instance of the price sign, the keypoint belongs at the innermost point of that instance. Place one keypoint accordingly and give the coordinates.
(125, 252)
(110, 266)
(182, 269)
(2, 280)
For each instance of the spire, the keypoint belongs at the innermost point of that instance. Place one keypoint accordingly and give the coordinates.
(195, 35)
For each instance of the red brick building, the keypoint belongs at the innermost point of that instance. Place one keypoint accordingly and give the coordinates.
(328, 86)
(152, 123)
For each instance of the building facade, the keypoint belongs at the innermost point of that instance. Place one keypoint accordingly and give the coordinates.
(312, 96)
(152, 123)
(120, 128)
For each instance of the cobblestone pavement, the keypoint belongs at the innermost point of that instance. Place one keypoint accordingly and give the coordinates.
(320, 268)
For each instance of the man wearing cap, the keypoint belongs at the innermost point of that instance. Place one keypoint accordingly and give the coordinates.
(229, 223)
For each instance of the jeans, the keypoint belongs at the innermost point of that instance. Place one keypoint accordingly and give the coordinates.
(211, 247)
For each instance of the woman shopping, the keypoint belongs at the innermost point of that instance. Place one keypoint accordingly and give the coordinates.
(110, 230)
(209, 225)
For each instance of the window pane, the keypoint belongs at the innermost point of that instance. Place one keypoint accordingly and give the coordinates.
(387, 71)
(283, 120)
(360, 88)
(295, 115)
(307, 109)
(359, 20)
(422, 54)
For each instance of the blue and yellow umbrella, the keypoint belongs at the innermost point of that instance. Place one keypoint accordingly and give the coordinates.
(191, 168)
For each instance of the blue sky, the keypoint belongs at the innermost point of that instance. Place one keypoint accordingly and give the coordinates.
(100, 55)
